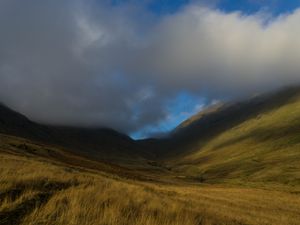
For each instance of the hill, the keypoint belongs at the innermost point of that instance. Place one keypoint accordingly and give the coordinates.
(257, 140)
(204, 147)
(231, 164)
(42, 184)
(100, 143)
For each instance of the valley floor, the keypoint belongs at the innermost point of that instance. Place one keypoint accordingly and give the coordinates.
(38, 190)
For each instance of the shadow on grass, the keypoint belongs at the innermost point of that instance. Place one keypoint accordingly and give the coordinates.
(46, 188)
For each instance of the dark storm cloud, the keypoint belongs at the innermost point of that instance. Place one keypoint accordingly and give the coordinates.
(62, 62)
(92, 64)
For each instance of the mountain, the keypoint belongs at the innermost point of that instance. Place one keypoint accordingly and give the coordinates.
(232, 164)
(99, 143)
(16, 124)
(255, 140)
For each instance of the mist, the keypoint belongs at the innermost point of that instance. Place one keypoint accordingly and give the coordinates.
(85, 63)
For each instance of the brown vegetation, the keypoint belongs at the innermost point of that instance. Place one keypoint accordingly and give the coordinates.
(236, 165)
(35, 190)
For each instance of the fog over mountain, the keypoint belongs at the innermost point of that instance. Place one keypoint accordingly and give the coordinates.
(89, 63)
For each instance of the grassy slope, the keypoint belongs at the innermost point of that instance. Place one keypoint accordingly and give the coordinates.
(100, 143)
(252, 161)
(264, 148)
(39, 190)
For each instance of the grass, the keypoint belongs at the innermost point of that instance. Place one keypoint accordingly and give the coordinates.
(38, 190)
(247, 174)
(264, 149)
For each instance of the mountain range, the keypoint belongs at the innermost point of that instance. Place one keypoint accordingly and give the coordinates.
(232, 163)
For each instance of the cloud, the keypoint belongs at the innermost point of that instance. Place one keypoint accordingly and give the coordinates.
(94, 64)
(227, 53)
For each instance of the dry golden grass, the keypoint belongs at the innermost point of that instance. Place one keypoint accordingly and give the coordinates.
(35, 191)
(261, 149)
(246, 175)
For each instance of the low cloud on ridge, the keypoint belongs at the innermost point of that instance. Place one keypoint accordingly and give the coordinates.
(91, 64)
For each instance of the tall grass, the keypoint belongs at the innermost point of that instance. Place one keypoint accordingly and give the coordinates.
(35, 191)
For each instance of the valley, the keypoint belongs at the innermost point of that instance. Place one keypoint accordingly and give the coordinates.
(237, 163)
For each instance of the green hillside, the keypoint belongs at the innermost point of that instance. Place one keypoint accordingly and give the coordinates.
(261, 146)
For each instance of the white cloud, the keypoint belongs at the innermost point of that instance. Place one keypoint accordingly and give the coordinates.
(207, 49)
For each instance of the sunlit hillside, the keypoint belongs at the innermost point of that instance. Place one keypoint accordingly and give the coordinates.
(38, 190)
(264, 147)
(235, 164)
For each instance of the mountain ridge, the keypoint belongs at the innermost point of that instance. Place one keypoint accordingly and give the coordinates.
(261, 145)
(110, 145)
(100, 143)
(219, 118)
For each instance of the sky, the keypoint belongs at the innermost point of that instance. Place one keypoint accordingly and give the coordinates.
(142, 67)
(275, 7)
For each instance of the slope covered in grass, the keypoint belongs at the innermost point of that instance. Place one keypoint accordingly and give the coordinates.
(234, 164)
(263, 147)
(38, 190)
